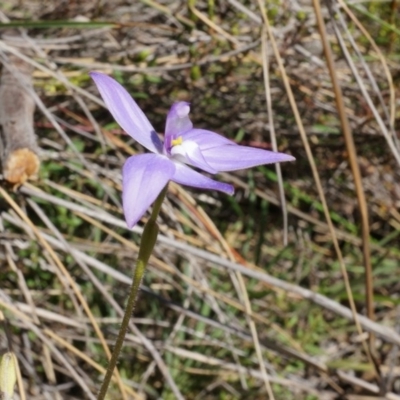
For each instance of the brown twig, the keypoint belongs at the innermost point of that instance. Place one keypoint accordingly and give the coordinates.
(18, 147)
(355, 169)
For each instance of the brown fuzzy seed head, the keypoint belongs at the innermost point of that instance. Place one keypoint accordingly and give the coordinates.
(21, 165)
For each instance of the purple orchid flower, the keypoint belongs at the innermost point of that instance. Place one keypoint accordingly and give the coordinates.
(145, 175)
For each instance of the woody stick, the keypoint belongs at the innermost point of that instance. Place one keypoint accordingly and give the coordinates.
(18, 147)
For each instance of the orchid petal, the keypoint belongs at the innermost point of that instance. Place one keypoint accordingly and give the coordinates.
(143, 178)
(126, 112)
(188, 152)
(206, 139)
(186, 176)
(234, 157)
(178, 122)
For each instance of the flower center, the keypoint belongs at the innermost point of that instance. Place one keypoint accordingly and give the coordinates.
(177, 141)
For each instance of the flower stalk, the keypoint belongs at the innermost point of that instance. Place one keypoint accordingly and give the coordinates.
(149, 238)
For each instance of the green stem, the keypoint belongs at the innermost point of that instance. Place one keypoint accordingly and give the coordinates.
(147, 243)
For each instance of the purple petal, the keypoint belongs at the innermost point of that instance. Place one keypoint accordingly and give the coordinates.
(178, 122)
(206, 139)
(189, 153)
(143, 178)
(231, 158)
(187, 176)
(126, 112)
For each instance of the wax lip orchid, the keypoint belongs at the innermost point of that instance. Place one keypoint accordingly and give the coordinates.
(145, 175)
